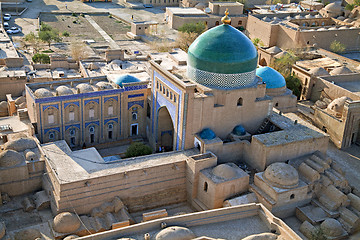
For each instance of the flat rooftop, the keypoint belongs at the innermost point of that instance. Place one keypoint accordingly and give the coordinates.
(324, 62)
(352, 86)
(15, 124)
(185, 11)
(291, 132)
(71, 166)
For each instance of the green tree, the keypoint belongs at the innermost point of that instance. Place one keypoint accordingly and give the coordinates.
(293, 83)
(41, 58)
(283, 64)
(137, 149)
(48, 34)
(257, 42)
(337, 47)
(33, 40)
(198, 27)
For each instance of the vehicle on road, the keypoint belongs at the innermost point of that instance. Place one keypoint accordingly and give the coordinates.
(6, 25)
(13, 30)
(6, 17)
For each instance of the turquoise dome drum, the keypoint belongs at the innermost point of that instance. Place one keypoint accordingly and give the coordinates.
(271, 77)
(222, 58)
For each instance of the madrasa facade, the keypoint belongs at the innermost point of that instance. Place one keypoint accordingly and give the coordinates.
(217, 101)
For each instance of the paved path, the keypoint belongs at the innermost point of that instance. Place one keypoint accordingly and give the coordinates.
(112, 43)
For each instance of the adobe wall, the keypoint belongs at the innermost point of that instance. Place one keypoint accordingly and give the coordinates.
(22, 179)
(138, 189)
(349, 37)
(259, 156)
(331, 89)
(263, 30)
(334, 126)
(227, 152)
(11, 85)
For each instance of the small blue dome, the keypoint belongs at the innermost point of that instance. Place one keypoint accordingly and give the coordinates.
(207, 134)
(271, 77)
(125, 79)
(239, 130)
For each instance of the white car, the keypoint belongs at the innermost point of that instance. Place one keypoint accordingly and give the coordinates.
(6, 17)
(13, 30)
(6, 25)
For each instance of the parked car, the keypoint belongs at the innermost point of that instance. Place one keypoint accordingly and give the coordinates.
(6, 17)
(13, 30)
(6, 25)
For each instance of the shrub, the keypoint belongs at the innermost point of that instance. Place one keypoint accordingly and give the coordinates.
(74, 15)
(66, 34)
(41, 58)
(137, 149)
(337, 47)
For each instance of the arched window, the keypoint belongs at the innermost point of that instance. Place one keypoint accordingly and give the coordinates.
(111, 126)
(205, 186)
(72, 132)
(240, 102)
(134, 116)
(239, 22)
(217, 23)
(51, 135)
(91, 129)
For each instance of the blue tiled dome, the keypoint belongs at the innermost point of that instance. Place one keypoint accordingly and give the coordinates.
(222, 58)
(239, 130)
(207, 134)
(271, 77)
(125, 79)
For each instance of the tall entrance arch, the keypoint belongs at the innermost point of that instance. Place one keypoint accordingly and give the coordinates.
(165, 130)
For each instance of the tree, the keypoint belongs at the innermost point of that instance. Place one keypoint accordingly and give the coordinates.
(257, 42)
(41, 58)
(33, 40)
(184, 40)
(293, 83)
(78, 51)
(137, 149)
(337, 47)
(283, 64)
(188, 33)
(48, 34)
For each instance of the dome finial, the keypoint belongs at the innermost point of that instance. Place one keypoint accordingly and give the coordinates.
(226, 19)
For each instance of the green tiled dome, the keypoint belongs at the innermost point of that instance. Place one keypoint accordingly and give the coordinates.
(223, 49)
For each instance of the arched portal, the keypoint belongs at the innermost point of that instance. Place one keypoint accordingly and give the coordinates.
(165, 130)
(263, 62)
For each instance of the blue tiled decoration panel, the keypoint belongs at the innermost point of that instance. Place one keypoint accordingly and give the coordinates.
(91, 100)
(94, 122)
(52, 129)
(108, 120)
(69, 103)
(70, 126)
(47, 106)
(136, 95)
(136, 87)
(108, 98)
(140, 103)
